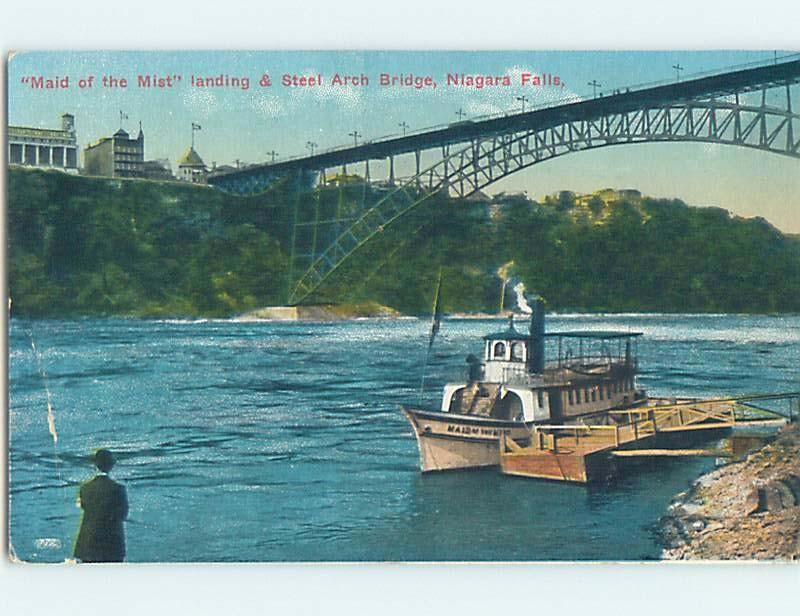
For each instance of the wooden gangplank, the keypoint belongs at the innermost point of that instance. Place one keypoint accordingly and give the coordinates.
(649, 453)
(578, 452)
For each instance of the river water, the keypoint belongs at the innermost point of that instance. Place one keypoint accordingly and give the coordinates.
(259, 441)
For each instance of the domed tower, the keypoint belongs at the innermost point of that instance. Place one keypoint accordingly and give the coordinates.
(68, 123)
(506, 355)
(191, 167)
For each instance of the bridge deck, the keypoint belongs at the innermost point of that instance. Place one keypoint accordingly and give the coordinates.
(704, 87)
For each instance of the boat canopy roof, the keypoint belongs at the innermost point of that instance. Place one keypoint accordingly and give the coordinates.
(507, 335)
(594, 335)
(510, 334)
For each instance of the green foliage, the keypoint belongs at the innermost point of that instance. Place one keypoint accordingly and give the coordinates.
(624, 253)
(81, 246)
(656, 255)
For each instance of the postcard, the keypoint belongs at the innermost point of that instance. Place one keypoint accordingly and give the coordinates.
(462, 306)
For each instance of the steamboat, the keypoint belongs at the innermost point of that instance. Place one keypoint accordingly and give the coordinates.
(515, 388)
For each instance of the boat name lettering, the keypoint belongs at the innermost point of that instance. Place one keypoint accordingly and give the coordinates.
(476, 430)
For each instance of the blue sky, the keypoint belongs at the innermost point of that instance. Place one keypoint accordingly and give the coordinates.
(247, 124)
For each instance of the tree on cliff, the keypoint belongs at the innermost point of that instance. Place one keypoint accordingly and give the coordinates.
(81, 246)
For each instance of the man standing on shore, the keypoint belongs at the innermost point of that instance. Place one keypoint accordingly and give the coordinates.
(101, 538)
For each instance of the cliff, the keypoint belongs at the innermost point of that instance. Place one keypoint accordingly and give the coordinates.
(91, 246)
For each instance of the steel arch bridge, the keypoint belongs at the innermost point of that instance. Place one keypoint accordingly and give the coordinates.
(748, 108)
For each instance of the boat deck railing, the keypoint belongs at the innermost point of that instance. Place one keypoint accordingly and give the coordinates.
(555, 372)
(522, 377)
(633, 424)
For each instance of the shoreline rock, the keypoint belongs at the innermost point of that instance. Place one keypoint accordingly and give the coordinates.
(343, 312)
(746, 510)
(325, 312)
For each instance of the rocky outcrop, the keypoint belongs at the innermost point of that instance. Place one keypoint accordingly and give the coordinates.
(328, 312)
(748, 510)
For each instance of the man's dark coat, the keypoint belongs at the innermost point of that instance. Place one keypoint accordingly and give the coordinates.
(101, 537)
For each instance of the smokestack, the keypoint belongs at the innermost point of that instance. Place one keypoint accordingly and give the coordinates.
(536, 355)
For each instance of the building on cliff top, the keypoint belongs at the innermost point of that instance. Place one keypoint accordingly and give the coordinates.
(191, 167)
(44, 147)
(118, 156)
(157, 170)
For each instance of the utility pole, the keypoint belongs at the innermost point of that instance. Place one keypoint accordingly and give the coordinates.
(404, 127)
(594, 85)
(273, 154)
(460, 113)
(122, 116)
(311, 146)
(678, 68)
(523, 99)
(355, 135)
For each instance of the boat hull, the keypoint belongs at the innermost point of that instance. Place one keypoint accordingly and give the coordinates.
(448, 441)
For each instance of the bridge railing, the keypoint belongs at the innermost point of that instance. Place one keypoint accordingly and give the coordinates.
(572, 98)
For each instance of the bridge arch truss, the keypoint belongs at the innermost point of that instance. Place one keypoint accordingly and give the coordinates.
(763, 119)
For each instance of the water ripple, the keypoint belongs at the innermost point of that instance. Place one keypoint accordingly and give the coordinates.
(244, 441)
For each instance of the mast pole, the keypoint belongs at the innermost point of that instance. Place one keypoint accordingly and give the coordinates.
(435, 324)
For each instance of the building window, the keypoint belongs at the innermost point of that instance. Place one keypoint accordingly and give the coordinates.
(586, 395)
(30, 155)
(499, 351)
(571, 397)
(15, 154)
(594, 394)
(540, 396)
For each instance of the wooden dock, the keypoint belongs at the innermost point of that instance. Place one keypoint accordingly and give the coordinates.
(582, 452)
